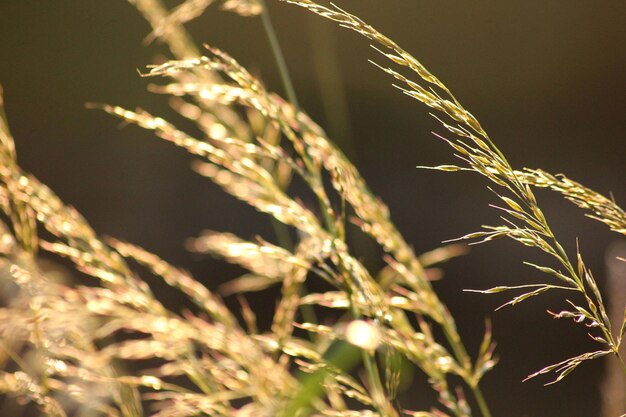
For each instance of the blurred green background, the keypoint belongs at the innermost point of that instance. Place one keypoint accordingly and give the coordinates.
(547, 80)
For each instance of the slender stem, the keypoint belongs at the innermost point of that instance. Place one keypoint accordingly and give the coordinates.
(482, 404)
(279, 57)
(621, 362)
(374, 377)
(457, 346)
(195, 374)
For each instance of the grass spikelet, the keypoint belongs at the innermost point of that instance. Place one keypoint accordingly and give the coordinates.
(373, 215)
(244, 178)
(265, 197)
(261, 258)
(182, 46)
(604, 209)
(81, 245)
(293, 284)
(179, 279)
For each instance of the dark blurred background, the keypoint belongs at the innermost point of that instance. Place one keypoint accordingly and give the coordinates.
(546, 80)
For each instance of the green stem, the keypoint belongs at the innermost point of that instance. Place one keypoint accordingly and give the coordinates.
(279, 57)
(621, 362)
(280, 229)
(482, 404)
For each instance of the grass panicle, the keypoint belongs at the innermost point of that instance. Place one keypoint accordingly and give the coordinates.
(523, 219)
